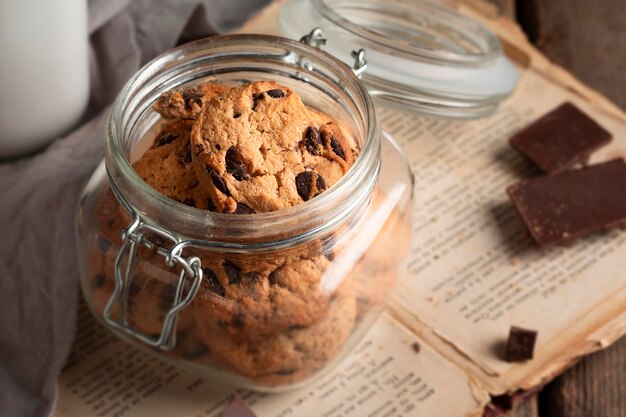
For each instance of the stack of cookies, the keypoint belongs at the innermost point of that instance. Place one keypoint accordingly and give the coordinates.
(249, 149)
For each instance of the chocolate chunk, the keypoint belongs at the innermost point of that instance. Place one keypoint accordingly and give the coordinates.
(212, 283)
(560, 208)
(271, 278)
(253, 277)
(312, 141)
(275, 93)
(134, 287)
(218, 181)
(521, 344)
(320, 184)
(309, 184)
(191, 97)
(184, 157)
(190, 202)
(233, 272)
(234, 165)
(238, 320)
(237, 408)
(164, 139)
(103, 243)
(243, 209)
(98, 281)
(336, 147)
(167, 299)
(560, 139)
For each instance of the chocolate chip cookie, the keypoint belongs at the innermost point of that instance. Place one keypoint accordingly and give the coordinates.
(243, 297)
(257, 149)
(289, 356)
(186, 102)
(167, 167)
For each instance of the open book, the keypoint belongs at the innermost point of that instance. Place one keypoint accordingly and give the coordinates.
(474, 272)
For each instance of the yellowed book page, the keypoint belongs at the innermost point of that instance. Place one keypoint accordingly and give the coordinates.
(383, 376)
(475, 270)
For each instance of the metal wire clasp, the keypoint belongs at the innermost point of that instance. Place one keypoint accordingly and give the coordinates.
(316, 38)
(189, 280)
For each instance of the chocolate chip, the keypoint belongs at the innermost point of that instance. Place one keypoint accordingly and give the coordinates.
(303, 184)
(192, 97)
(297, 327)
(320, 184)
(218, 181)
(166, 300)
(416, 347)
(236, 115)
(98, 281)
(238, 321)
(234, 164)
(272, 278)
(253, 277)
(233, 272)
(190, 202)
(243, 209)
(184, 156)
(134, 288)
(312, 140)
(164, 139)
(210, 205)
(275, 93)
(336, 147)
(212, 283)
(306, 186)
(103, 243)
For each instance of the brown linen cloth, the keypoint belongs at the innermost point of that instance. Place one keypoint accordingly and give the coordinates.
(38, 194)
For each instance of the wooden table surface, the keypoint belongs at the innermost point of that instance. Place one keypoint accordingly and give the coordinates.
(589, 39)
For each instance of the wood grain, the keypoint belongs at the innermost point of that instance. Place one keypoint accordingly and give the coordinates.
(527, 409)
(588, 38)
(594, 387)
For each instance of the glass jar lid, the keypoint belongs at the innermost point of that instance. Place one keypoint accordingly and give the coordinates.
(419, 54)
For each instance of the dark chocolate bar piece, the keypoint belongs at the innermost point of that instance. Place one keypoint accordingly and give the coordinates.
(560, 208)
(560, 139)
(237, 408)
(521, 344)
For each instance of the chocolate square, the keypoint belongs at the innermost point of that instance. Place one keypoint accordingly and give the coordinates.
(560, 139)
(521, 344)
(560, 208)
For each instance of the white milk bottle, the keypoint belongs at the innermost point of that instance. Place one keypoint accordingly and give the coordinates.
(44, 73)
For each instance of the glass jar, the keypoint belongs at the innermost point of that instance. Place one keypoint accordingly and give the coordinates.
(421, 55)
(267, 301)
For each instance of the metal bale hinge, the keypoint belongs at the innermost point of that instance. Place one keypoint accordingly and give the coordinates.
(316, 38)
(189, 280)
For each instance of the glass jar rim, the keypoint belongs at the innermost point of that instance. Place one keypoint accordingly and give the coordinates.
(364, 171)
(452, 38)
(421, 56)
